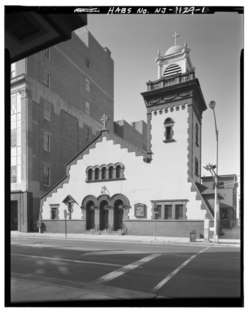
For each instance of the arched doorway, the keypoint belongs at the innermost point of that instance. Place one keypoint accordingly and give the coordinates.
(90, 215)
(118, 214)
(104, 215)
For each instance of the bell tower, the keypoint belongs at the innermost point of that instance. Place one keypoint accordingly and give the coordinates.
(175, 104)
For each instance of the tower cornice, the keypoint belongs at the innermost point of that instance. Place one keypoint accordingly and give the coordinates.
(170, 94)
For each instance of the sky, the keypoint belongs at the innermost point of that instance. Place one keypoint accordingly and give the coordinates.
(215, 41)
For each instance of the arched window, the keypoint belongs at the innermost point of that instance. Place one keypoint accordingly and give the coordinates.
(96, 173)
(90, 172)
(118, 170)
(168, 124)
(103, 173)
(111, 172)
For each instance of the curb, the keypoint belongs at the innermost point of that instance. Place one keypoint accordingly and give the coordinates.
(127, 239)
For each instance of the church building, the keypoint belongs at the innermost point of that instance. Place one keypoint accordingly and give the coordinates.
(113, 186)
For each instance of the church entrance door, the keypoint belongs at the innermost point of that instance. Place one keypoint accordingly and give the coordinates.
(118, 215)
(90, 216)
(104, 215)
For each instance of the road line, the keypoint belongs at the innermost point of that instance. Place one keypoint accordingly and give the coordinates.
(110, 276)
(167, 279)
(67, 260)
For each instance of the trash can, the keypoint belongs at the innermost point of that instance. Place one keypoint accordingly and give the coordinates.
(192, 236)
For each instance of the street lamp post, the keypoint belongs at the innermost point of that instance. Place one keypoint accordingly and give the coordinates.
(216, 202)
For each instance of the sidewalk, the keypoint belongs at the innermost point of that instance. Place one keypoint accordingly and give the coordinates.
(128, 238)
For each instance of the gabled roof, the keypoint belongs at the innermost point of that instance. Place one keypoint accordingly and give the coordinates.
(104, 133)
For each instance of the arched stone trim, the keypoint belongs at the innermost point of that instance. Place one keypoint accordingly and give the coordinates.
(103, 197)
(119, 170)
(123, 198)
(87, 199)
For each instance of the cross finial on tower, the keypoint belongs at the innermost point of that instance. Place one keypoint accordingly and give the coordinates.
(175, 35)
(104, 120)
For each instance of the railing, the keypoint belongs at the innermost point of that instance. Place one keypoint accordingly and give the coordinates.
(168, 81)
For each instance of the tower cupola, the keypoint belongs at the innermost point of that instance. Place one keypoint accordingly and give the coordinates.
(176, 60)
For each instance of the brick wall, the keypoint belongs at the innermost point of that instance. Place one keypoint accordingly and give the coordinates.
(165, 228)
(58, 226)
(134, 133)
(135, 227)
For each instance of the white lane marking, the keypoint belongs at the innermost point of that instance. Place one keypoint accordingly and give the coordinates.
(112, 275)
(67, 260)
(166, 279)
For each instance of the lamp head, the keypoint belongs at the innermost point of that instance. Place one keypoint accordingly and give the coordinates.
(212, 104)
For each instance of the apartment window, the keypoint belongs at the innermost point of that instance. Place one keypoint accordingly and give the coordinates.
(47, 53)
(46, 175)
(13, 104)
(46, 142)
(87, 107)
(178, 211)
(168, 125)
(87, 62)
(13, 174)
(87, 133)
(87, 85)
(13, 137)
(168, 212)
(46, 111)
(196, 167)
(13, 70)
(47, 79)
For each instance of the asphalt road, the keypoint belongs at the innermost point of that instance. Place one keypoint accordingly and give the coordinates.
(167, 270)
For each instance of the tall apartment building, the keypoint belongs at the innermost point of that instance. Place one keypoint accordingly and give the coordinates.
(58, 97)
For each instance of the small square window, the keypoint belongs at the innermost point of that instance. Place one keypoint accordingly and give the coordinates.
(168, 212)
(54, 213)
(178, 211)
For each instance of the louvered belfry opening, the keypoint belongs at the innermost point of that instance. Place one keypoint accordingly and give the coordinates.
(172, 69)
